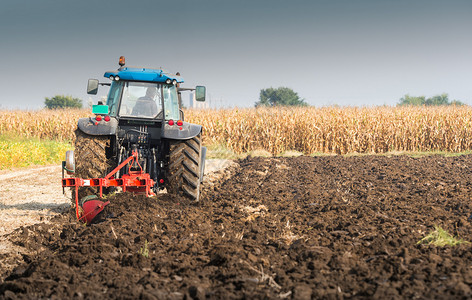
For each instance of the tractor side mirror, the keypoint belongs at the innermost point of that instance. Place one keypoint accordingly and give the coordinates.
(200, 93)
(92, 86)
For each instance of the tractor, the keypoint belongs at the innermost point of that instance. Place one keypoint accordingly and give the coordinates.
(137, 141)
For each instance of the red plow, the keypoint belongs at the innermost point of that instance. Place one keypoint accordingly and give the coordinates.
(136, 182)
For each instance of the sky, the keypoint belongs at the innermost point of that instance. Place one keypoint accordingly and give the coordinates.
(331, 52)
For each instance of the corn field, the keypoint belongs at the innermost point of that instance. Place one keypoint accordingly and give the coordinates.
(338, 130)
(308, 130)
(43, 124)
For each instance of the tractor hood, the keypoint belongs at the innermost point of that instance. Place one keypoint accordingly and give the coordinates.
(142, 74)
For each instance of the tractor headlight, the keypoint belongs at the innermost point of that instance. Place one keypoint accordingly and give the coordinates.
(117, 77)
(112, 77)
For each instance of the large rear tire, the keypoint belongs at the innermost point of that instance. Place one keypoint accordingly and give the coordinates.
(185, 167)
(90, 160)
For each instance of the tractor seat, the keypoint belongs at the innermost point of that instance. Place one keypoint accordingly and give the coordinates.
(145, 107)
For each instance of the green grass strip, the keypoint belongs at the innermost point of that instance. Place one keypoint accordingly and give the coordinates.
(21, 152)
(440, 237)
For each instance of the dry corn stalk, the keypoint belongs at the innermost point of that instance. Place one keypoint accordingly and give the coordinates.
(308, 130)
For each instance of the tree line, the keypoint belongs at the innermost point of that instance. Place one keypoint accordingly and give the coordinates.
(284, 96)
(61, 101)
(442, 99)
(281, 96)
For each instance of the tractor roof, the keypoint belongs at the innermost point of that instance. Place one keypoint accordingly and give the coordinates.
(143, 74)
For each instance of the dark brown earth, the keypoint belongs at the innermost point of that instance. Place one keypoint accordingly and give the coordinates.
(298, 228)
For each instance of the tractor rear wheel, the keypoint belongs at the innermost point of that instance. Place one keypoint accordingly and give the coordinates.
(184, 170)
(90, 160)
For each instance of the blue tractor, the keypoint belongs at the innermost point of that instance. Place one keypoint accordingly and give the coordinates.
(142, 119)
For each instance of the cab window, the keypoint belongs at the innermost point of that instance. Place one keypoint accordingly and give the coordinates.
(114, 97)
(171, 102)
(141, 99)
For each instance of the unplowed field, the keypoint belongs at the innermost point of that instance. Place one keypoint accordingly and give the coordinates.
(296, 228)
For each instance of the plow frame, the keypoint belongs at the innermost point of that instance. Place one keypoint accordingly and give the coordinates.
(136, 182)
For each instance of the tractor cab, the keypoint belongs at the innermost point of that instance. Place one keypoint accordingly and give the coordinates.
(149, 100)
(142, 93)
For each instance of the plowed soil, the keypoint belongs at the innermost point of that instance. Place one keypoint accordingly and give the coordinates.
(298, 228)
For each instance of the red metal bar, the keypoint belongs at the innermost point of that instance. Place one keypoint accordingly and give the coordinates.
(134, 156)
(140, 180)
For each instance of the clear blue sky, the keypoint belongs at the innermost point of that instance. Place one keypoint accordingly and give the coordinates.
(358, 53)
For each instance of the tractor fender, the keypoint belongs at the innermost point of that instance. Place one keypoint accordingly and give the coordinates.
(184, 132)
(93, 127)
